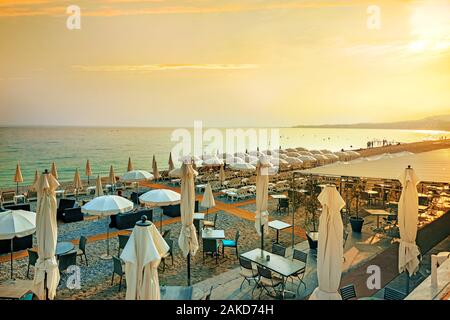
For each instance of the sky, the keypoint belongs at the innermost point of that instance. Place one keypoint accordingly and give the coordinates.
(226, 62)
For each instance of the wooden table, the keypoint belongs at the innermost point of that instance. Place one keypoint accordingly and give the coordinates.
(379, 213)
(283, 266)
(15, 289)
(278, 226)
(181, 293)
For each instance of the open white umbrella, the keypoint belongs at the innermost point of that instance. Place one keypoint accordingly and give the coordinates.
(160, 198)
(208, 201)
(105, 206)
(408, 213)
(142, 256)
(213, 161)
(46, 275)
(98, 187)
(187, 240)
(88, 170)
(156, 174)
(242, 166)
(18, 177)
(330, 248)
(16, 223)
(137, 176)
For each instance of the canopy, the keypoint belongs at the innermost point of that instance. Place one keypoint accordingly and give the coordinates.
(137, 175)
(142, 256)
(330, 247)
(208, 198)
(430, 166)
(160, 198)
(408, 212)
(46, 274)
(107, 205)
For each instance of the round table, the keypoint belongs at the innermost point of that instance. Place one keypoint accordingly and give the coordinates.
(64, 247)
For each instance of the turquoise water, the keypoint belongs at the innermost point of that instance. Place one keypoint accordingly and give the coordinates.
(37, 148)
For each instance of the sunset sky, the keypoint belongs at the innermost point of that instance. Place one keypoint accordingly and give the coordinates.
(226, 62)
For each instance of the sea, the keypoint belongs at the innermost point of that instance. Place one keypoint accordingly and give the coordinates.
(70, 147)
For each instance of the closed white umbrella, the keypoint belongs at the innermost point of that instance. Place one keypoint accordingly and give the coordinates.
(54, 171)
(18, 177)
(36, 178)
(188, 241)
(262, 193)
(142, 256)
(171, 166)
(408, 213)
(105, 206)
(112, 178)
(98, 187)
(46, 275)
(77, 183)
(208, 201)
(130, 165)
(156, 174)
(222, 175)
(88, 170)
(160, 198)
(16, 223)
(330, 248)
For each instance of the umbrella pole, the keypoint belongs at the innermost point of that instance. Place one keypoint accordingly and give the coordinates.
(160, 220)
(12, 249)
(262, 237)
(17, 188)
(107, 238)
(189, 269)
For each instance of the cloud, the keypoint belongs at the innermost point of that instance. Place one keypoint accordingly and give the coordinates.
(147, 68)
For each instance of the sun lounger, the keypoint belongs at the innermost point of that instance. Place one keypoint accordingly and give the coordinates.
(8, 197)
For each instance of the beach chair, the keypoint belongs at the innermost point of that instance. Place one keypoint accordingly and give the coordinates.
(210, 246)
(31, 195)
(117, 269)
(32, 259)
(8, 197)
(169, 253)
(231, 244)
(67, 260)
(278, 250)
(82, 249)
(123, 239)
(266, 280)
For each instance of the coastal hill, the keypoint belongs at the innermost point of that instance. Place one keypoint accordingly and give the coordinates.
(441, 122)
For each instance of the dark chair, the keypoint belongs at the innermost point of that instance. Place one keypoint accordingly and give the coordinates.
(175, 211)
(72, 215)
(210, 246)
(278, 249)
(123, 239)
(169, 253)
(348, 292)
(210, 224)
(32, 258)
(19, 244)
(231, 244)
(392, 294)
(22, 206)
(283, 205)
(63, 205)
(208, 296)
(266, 281)
(165, 233)
(82, 249)
(312, 243)
(117, 269)
(67, 260)
(247, 271)
(128, 220)
(303, 257)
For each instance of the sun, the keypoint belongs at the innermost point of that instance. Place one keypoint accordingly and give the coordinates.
(430, 27)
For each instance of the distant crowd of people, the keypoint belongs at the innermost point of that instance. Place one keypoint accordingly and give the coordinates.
(380, 143)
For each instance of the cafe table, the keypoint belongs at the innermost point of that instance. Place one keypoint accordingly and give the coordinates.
(63, 248)
(278, 226)
(379, 213)
(285, 267)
